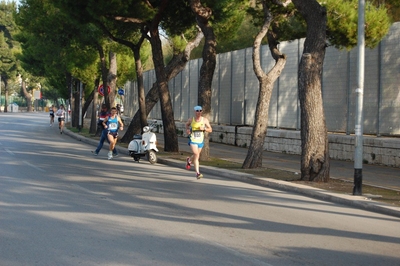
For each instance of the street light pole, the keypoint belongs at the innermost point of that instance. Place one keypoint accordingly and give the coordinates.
(0, 93)
(358, 152)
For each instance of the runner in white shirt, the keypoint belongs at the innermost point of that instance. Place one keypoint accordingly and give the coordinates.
(61, 118)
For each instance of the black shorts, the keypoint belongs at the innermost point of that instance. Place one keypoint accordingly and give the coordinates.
(61, 119)
(114, 134)
(52, 115)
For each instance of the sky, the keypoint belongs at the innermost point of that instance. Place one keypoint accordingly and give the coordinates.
(7, 1)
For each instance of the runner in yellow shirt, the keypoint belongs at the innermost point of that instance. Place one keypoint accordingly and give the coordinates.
(195, 128)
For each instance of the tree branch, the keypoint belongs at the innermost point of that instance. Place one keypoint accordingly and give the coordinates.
(132, 20)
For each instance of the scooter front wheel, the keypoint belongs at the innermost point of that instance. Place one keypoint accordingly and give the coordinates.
(152, 156)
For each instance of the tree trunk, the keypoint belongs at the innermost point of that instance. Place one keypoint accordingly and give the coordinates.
(5, 99)
(266, 85)
(135, 48)
(28, 97)
(111, 79)
(93, 121)
(75, 105)
(174, 67)
(314, 135)
(140, 84)
(69, 80)
(86, 104)
(167, 112)
(203, 14)
(5, 81)
(104, 74)
(134, 127)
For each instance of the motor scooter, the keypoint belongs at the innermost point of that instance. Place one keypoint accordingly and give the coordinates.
(144, 145)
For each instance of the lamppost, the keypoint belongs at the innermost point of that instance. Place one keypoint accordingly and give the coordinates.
(0, 93)
(358, 153)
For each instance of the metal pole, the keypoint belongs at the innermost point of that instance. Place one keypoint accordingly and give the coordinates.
(358, 155)
(0, 93)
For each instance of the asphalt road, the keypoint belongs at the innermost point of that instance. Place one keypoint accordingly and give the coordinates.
(59, 205)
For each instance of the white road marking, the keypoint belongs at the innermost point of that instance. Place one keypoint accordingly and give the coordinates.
(34, 166)
(9, 152)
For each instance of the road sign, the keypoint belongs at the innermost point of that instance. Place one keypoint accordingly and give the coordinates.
(121, 92)
(37, 94)
(101, 90)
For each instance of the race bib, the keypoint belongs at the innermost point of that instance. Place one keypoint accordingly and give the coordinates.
(197, 136)
(113, 126)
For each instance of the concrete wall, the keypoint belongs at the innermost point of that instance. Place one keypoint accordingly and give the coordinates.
(235, 88)
(377, 150)
(235, 94)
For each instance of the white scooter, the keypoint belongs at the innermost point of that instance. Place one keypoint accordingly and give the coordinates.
(144, 145)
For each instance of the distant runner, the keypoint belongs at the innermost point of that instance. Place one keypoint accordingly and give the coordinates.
(61, 118)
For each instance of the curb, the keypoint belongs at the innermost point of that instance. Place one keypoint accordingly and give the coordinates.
(360, 202)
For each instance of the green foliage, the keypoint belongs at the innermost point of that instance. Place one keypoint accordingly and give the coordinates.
(63, 42)
(60, 36)
(102, 15)
(377, 25)
(341, 25)
(52, 44)
(9, 47)
(227, 18)
(126, 65)
(176, 27)
(231, 28)
(343, 20)
(392, 6)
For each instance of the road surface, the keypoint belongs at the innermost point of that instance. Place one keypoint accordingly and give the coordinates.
(60, 205)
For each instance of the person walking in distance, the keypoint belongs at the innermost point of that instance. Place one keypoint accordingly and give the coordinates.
(51, 114)
(61, 118)
(195, 128)
(104, 131)
(112, 123)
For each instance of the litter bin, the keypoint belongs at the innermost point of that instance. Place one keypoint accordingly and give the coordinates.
(46, 109)
(13, 108)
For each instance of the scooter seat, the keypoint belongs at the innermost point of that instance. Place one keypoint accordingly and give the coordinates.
(137, 136)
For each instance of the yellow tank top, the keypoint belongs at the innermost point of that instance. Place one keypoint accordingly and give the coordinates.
(197, 135)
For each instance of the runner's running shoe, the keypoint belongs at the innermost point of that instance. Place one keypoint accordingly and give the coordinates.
(110, 155)
(188, 162)
(198, 176)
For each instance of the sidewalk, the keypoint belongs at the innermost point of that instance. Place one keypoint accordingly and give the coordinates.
(374, 175)
(379, 176)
